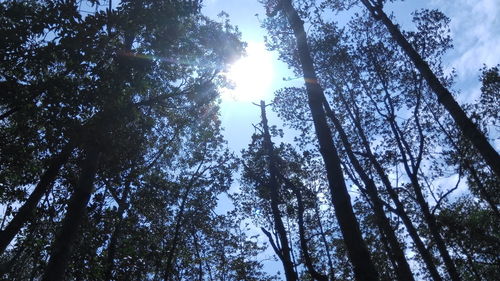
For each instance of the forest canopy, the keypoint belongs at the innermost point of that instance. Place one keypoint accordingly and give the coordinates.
(114, 163)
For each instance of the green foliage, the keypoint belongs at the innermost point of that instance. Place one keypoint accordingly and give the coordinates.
(392, 119)
(474, 234)
(140, 83)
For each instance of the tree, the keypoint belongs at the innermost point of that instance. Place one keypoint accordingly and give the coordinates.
(372, 85)
(358, 253)
(293, 200)
(272, 185)
(104, 89)
(445, 98)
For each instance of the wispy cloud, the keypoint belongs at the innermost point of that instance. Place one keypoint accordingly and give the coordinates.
(475, 26)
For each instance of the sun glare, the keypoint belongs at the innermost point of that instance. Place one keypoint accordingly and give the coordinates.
(251, 75)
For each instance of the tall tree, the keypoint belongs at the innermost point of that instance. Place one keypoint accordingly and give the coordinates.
(284, 253)
(444, 96)
(358, 253)
(114, 83)
(402, 267)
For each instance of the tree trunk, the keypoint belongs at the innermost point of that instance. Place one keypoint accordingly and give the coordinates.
(484, 194)
(358, 253)
(179, 220)
(302, 233)
(63, 244)
(113, 241)
(401, 212)
(325, 244)
(290, 273)
(435, 230)
(412, 231)
(420, 199)
(26, 211)
(445, 98)
(198, 256)
(402, 268)
(172, 247)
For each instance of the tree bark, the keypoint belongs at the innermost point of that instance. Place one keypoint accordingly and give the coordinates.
(445, 98)
(359, 256)
(290, 273)
(26, 211)
(63, 244)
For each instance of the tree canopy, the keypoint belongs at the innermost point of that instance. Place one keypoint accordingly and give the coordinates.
(113, 162)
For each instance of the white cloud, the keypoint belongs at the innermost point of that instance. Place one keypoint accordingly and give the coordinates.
(475, 27)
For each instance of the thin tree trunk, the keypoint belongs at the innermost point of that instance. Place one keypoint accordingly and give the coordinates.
(198, 256)
(401, 212)
(46, 181)
(470, 262)
(179, 219)
(294, 259)
(434, 229)
(445, 98)
(420, 199)
(63, 244)
(359, 256)
(208, 266)
(122, 207)
(110, 258)
(483, 192)
(402, 268)
(387, 248)
(290, 273)
(8, 113)
(26, 211)
(302, 234)
(325, 243)
(113, 241)
(409, 160)
(167, 274)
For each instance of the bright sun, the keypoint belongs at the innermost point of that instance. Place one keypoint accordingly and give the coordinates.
(251, 75)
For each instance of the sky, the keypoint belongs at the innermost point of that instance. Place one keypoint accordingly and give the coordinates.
(264, 75)
(475, 28)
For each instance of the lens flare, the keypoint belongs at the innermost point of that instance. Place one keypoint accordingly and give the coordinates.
(252, 75)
